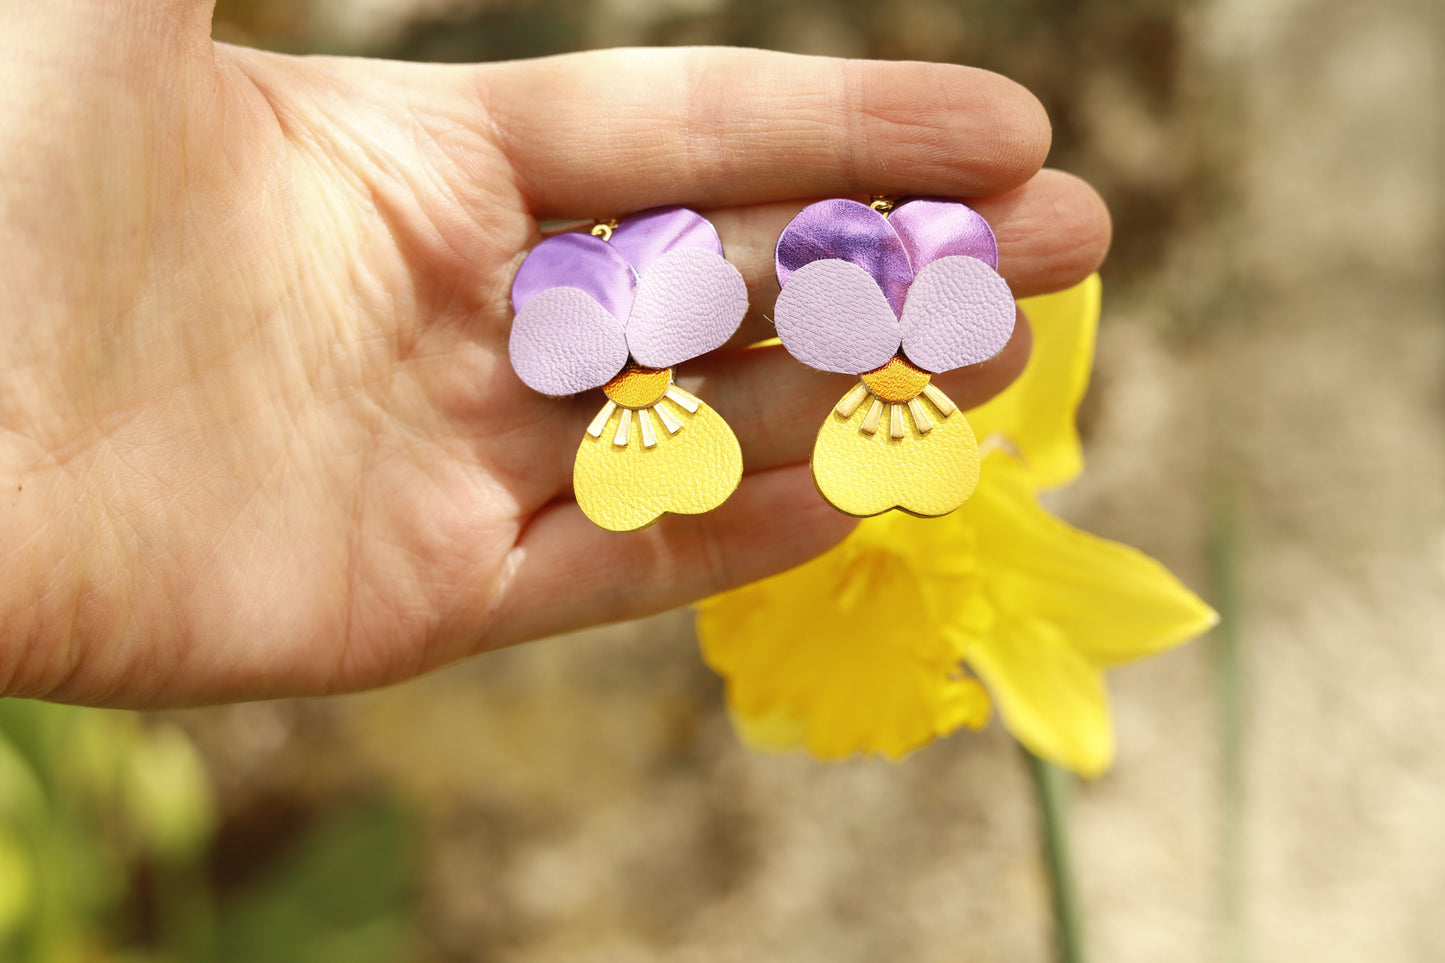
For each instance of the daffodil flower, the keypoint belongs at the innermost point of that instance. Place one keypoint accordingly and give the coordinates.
(913, 628)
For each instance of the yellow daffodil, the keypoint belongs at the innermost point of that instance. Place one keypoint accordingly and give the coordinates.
(1034, 417)
(903, 633)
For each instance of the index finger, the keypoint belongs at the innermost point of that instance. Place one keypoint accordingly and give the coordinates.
(613, 131)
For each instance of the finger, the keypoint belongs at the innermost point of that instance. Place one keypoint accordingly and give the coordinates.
(611, 131)
(567, 573)
(1052, 233)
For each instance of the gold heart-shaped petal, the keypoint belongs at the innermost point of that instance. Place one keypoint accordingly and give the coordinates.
(926, 473)
(686, 471)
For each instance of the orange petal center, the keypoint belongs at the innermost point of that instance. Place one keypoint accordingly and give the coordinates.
(637, 387)
(897, 381)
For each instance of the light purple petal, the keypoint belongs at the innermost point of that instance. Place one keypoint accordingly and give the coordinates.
(846, 230)
(576, 261)
(563, 342)
(931, 229)
(959, 312)
(648, 235)
(832, 315)
(688, 303)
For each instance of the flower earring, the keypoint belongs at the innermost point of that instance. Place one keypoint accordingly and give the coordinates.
(894, 295)
(619, 309)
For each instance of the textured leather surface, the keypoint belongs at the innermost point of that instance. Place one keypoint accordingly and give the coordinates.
(845, 230)
(959, 312)
(579, 261)
(689, 302)
(648, 235)
(563, 342)
(831, 315)
(932, 228)
(925, 474)
(693, 471)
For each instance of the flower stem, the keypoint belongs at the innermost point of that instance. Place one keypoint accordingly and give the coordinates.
(1053, 786)
(1231, 686)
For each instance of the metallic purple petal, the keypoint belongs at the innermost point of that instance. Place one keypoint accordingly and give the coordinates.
(959, 312)
(931, 229)
(689, 302)
(647, 235)
(576, 261)
(832, 315)
(846, 230)
(563, 342)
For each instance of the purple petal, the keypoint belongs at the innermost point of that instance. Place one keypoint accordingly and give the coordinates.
(563, 342)
(846, 230)
(931, 229)
(576, 261)
(646, 236)
(688, 303)
(832, 315)
(959, 312)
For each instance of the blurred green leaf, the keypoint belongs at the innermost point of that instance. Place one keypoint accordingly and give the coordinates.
(168, 795)
(17, 884)
(342, 893)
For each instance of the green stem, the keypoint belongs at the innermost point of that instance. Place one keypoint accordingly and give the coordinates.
(1053, 788)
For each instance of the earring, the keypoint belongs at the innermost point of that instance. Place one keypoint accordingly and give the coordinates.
(894, 295)
(619, 309)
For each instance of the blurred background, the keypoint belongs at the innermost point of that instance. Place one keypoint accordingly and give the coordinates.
(1267, 417)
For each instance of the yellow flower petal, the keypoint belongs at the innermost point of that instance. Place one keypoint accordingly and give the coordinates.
(774, 732)
(1034, 417)
(624, 488)
(1049, 696)
(1114, 603)
(840, 655)
(927, 473)
(860, 650)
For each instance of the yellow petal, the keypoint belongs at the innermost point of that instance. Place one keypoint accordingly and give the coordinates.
(1049, 696)
(927, 473)
(1034, 417)
(1112, 602)
(623, 488)
(774, 732)
(839, 655)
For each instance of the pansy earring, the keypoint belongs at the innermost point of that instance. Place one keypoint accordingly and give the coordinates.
(894, 295)
(619, 309)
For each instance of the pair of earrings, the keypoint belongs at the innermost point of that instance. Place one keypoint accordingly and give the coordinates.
(891, 294)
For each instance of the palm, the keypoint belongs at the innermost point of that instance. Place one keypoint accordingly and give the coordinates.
(274, 444)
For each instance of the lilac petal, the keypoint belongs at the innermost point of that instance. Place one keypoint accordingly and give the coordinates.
(931, 229)
(646, 236)
(959, 312)
(832, 315)
(846, 230)
(688, 303)
(576, 261)
(563, 342)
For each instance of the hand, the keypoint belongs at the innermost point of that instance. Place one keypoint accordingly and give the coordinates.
(259, 434)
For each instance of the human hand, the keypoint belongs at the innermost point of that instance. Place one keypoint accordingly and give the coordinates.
(259, 434)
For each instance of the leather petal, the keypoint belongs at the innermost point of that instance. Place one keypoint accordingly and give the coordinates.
(931, 229)
(689, 302)
(578, 261)
(563, 342)
(648, 235)
(959, 312)
(844, 230)
(832, 315)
